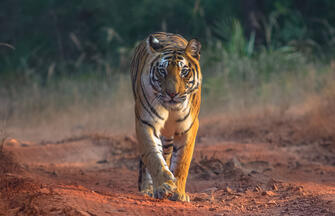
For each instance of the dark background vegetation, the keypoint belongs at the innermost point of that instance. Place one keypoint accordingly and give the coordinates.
(103, 32)
(71, 58)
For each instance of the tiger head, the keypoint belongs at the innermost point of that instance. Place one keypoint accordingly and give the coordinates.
(175, 72)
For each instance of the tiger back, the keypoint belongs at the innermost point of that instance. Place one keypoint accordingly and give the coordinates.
(166, 83)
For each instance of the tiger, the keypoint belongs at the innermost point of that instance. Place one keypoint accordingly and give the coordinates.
(166, 82)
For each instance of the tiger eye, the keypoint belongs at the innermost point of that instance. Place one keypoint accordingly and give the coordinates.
(185, 72)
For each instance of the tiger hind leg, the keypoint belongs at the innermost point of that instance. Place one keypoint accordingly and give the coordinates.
(145, 184)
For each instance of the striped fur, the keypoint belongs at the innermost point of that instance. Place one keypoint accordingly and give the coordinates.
(166, 82)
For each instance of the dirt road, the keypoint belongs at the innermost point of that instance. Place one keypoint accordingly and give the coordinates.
(250, 172)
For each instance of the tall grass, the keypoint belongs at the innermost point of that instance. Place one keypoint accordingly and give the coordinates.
(68, 107)
(78, 98)
(88, 104)
(241, 77)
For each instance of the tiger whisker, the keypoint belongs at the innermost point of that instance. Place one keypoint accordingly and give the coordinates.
(155, 100)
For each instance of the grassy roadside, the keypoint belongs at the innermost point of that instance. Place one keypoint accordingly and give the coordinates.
(78, 98)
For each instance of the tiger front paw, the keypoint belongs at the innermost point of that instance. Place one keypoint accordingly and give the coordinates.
(148, 191)
(178, 196)
(165, 190)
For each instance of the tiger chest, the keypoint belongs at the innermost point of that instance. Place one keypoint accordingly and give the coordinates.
(177, 123)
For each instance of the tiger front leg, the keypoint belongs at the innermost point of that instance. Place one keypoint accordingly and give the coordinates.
(152, 157)
(181, 161)
(145, 185)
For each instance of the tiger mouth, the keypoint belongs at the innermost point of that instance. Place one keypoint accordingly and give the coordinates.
(173, 102)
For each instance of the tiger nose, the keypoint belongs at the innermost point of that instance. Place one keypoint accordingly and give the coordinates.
(172, 94)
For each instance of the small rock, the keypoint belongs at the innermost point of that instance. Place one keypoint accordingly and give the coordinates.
(253, 172)
(297, 164)
(102, 161)
(269, 193)
(274, 187)
(239, 190)
(210, 190)
(257, 188)
(229, 190)
(227, 204)
(324, 211)
(299, 188)
(212, 209)
(53, 173)
(11, 142)
(45, 191)
(198, 199)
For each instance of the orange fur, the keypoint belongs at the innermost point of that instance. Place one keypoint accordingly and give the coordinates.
(166, 81)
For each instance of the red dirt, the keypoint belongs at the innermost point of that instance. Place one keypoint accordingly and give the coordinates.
(258, 170)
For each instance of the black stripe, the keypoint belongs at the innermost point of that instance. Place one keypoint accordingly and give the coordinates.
(194, 78)
(168, 52)
(145, 108)
(134, 77)
(153, 61)
(184, 132)
(195, 65)
(167, 146)
(151, 80)
(150, 125)
(140, 175)
(152, 71)
(185, 117)
(193, 97)
(193, 72)
(138, 52)
(175, 149)
(151, 108)
(197, 69)
(193, 89)
(146, 123)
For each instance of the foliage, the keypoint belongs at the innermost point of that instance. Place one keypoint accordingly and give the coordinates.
(60, 38)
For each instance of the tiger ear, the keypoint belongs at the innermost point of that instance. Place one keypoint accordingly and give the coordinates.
(154, 44)
(193, 49)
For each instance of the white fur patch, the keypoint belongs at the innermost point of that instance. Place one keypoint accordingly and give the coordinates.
(155, 40)
(164, 63)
